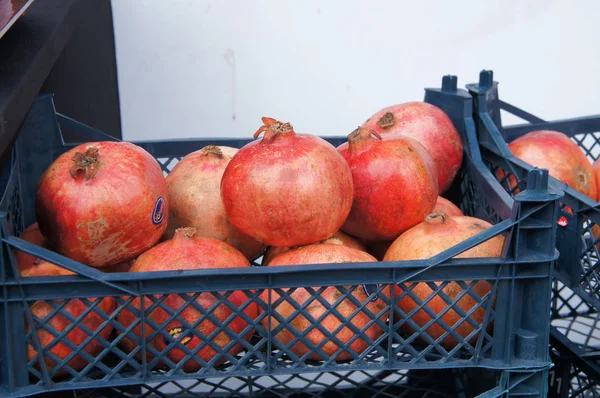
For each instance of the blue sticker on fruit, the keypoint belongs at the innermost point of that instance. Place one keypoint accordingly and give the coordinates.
(371, 289)
(159, 211)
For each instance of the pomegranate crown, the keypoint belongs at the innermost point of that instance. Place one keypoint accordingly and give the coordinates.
(212, 149)
(360, 133)
(86, 162)
(272, 127)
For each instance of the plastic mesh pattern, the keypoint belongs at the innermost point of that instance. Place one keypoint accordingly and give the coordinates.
(571, 378)
(404, 384)
(10, 200)
(296, 329)
(576, 319)
(590, 258)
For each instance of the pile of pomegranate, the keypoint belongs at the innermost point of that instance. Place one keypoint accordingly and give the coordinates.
(287, 197)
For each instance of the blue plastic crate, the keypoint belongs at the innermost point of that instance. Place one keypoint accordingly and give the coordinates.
(573, 374)
(513, 335)
(455, 383)
(579, 264)
(575, 308)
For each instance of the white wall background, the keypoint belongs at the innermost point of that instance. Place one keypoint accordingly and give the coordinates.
(192, 68)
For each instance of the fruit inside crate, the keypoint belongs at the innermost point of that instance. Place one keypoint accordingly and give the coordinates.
(579, 264)
(501, 331)
(576, 291)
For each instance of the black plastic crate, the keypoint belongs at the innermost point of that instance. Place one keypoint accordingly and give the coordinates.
(454, 383)
(577, 320)
(573, 374)
(579, 264)
(431, 384)
(575, 309)
(513, 334)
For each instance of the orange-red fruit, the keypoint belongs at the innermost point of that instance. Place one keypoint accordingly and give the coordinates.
(189, 252)
(319, 254)
(596, 167)
(31, 235)
(193, 188)
(447, 207)
(102, 203)
(595, 227)
(437, 233)
(430, 126)
(287, 189)
(562, 157)
(395, 184)
(339, 238)
(75, 308)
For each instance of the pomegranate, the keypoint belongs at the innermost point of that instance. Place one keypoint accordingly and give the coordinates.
(562, 157)
(338, 238)
(437, 233)
(188, 252)
(193, 189)
(430, 126)
(447, 207)
(596, 167)
(102, 203)
(318, 254)
(6, 13)
(595, 227)
(74, 307)
(287, 189)
(596, 234)
(395, 185)
(31, 235)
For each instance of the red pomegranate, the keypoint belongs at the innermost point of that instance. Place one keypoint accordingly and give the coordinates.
(596, 167)
(193, 189)
(430, 126)
(562, 157)
(287, 189)
(31, 235)
(596, 234)
(75, 308)
(189, 252)
(319, 254)
(437, 233)
(595, 227)
(102, 203)
(338, 238)
(444, 205)
(395, 185)
(378, 248)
